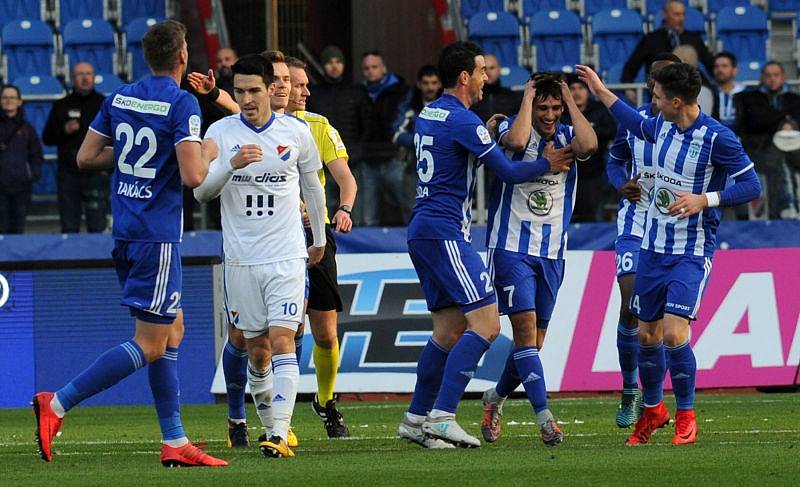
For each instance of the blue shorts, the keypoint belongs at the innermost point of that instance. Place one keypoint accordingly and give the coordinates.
(670, 284)
(451, 273)
(526, 283)
(150, 276)
(627, 248)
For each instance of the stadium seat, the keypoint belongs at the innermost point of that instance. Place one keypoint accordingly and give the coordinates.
(591, 7)
(743, 30)
(105, 83)
(21, 10)
(133, 9)
(135, 65)
(557, 40)
(615, 34)
(93, 41)
(749, 71)
(695, 21)
(69, 10)
(712, 7)
(38, 94)
(786, 9)
(531, 7)
(514, 77)
(28, 49)
(498, 34)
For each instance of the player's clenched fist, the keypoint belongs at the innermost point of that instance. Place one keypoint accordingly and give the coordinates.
(631, 189)
(247, 155)
(315, 255)
(560, 159)
(209, 150)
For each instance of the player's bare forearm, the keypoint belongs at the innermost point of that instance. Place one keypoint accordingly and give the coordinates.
(596, 86)
(95, 153)
(225, 103)
(584, 143)
(517, 137)
(347, 193)
(190, 163)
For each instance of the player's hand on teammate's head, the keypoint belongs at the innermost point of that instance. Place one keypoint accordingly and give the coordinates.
(587, 75)
(201, 83)
(342, 221)
(209, 150)
(687, 204)
(631, 189)
(493, 122)
(315, 255)
(560, 159)
(566, 95)
(248, 154)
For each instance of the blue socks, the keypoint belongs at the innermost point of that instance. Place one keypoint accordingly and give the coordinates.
(109, 368)
(298, 349)
(459, 369)
(509, 379)
(652, 368)
(628, 350)
(163, 374)
(532, 375)
(430, 368)
(682, 370)
(234, 368)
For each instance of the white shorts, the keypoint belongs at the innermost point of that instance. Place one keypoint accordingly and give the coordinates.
(260, 296)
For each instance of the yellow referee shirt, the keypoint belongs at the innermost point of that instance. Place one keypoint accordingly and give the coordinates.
(329, 143)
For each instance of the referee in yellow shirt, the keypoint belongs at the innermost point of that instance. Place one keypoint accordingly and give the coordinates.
(324, 301)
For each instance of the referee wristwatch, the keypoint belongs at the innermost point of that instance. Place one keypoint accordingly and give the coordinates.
(347, 209)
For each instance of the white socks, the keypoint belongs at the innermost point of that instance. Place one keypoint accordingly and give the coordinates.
(287, 377)
(261, 389)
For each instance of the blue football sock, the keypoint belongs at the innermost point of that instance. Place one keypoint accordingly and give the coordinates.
(163, 374)
(234, 368)
(108, 369)
(459, 369)
(430, 368)
(530, 371)
(509, 379)
(682, 370)
(628, 351)
(298, 349)
(652, 368)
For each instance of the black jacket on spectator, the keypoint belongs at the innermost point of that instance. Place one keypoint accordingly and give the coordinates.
(657, 42)
(757, 119)
(73, 106)
(347, 107)
(379, 146)
(497, 99)
(20, 154)
(605, 126)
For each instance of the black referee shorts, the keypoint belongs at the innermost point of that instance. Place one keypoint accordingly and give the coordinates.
(323, 293)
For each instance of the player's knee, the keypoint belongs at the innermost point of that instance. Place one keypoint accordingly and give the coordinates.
(153, 351)
(236, 337)
(446, 338)
(648, 336)
(673, 338)
(325, 340)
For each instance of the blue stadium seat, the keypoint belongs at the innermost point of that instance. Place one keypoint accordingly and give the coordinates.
(133, 9)
(135, 65)
(695, 21)
(531, 7)
(591, 7)
(38, 94)
(28, 49)
(749, 71)
(22, 9)
(556, 37)
(714, 6)
(615, 34)
(514, 76)
(497, 33)
(653, 7)
(105, 83)
(743, 30)
(92, 41)
(69, 10)
(783, 8)
(472, 7)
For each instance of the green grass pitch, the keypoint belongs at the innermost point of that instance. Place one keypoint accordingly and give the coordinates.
(751, 439)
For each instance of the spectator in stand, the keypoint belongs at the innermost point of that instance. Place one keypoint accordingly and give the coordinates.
(381, 171)
(759, 114)
(725, 72)
(688, 55)
(20, 161)
(79, 191)
(670, 35)
(592, 192)
(428, 89)
(496, 98)
(347, 107)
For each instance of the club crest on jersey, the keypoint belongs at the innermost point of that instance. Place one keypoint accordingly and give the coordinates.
(284, 152)
(694, 150)
(540, 203)
(663, 199)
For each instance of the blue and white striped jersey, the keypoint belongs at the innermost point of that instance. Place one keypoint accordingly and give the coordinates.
(626, 147)
(532, 218)
(696, 160)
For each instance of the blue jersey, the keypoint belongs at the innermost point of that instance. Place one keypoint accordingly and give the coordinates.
(640, 153)
(449, 140)
(146, 120)
(696, 160)
(532, 218)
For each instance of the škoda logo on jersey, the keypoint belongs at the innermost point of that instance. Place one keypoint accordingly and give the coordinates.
(284, 152)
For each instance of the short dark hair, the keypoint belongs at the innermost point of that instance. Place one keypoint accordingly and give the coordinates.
(455, 59)
(547, 85)
(162, 43)
(255, 64)
(679, 80)
(728, 55)
(666, 56)
(294, 62)
(11, 87)
(274, 56)
(772, 63)
(373, 52)
(427, 70)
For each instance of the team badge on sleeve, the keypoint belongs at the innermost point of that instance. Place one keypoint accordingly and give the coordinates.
(483, 134)
(194, 125)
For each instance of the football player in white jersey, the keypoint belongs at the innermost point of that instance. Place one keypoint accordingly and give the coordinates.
(696, 155)
(527, 237)
(264, 161)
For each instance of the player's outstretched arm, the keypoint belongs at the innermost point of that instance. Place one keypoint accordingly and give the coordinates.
(517, 172)
(314, 199)
(205, 84)
(95, 152)
(517, 137)
(347, 193)
(584, 142)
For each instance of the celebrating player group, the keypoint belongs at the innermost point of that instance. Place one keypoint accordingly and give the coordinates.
(265, 162)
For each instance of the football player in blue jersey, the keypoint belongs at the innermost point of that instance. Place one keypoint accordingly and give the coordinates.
(635, 195)
(150, 131)
(695, 156)
(527, 237)
(450, 143)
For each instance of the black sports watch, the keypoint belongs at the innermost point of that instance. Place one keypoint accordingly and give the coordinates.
(347, 209)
